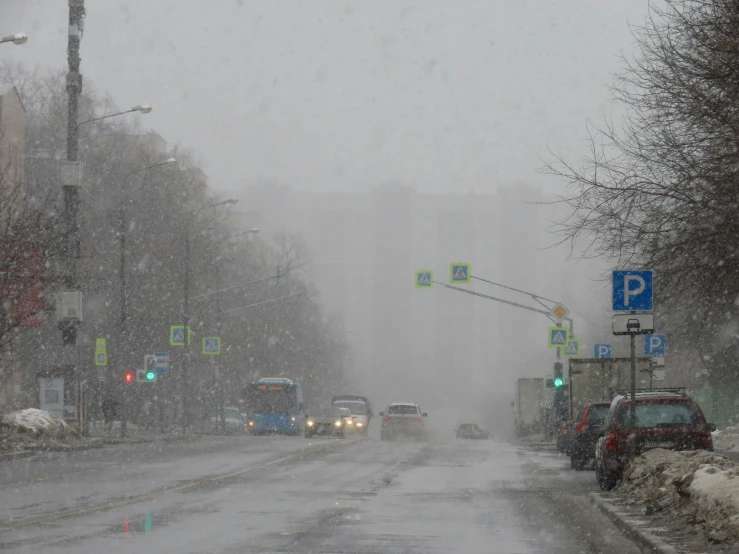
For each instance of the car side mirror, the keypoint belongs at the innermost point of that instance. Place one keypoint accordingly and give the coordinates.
(425, 414)
(382, 414)
(711, 427)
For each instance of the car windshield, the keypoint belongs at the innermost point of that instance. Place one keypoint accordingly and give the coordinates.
(402, 409)
(231, 413)
(656, 415)
(356, 408)
(326, 413)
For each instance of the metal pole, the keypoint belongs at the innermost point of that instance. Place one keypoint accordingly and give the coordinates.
(219, 377)
(632, 405)
(71, 245)
(122, 347)
(186, 347)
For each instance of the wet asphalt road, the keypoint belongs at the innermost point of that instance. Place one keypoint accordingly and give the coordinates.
(265, 494)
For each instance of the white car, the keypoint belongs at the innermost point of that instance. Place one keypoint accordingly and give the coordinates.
(234, 421)
(361, 412)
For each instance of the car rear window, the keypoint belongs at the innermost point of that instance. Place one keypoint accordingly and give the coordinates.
(659, 415)
(402, 410)
(597, 414)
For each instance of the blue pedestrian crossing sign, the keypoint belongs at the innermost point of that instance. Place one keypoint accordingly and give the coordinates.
(654, 345)
(558, 336)
(177, 335)
(632, 290)
(424, 279)
(572, 350)
(603, 351)
(459, 273)
(211, 346)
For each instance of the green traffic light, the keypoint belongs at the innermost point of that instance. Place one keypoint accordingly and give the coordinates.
(150, 376)
(558, 382)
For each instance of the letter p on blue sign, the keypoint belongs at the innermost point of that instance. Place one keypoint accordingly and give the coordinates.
(633, 290)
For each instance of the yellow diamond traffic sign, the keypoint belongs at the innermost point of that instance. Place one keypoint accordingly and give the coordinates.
(560, 311)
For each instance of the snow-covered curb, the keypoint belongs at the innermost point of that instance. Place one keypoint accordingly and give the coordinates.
(726, 440)
(699, 487)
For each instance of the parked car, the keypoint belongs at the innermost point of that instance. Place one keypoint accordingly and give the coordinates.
(402, 419)
(584, 433)
(664, 419)
(327, 422)
(234, 421)
(472, 431)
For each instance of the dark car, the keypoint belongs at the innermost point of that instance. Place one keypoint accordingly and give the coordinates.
(402, 419)
(327, 422)
(670, 420)
(472, 431)
(584, 433)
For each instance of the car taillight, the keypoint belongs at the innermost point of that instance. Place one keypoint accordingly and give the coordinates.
(418, 419)
(611, 443)
(563, 430)
(706, 441)
(386, 418)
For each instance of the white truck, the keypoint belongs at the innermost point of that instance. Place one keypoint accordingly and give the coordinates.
(600, 379)
(532, 407)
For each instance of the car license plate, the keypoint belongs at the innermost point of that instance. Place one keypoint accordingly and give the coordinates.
(659, 444)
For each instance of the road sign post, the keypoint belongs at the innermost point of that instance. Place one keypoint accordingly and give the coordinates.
(633, 291)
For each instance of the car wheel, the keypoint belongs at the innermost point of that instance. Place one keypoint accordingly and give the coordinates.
(606, 479)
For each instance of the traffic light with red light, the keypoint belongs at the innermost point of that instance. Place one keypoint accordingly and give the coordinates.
(129, 378)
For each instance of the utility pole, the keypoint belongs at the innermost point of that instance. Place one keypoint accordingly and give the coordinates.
(71, 182)
(218, 375)
(184, 396)
(122, 346)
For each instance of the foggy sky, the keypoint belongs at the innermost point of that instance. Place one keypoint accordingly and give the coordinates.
(439, 95)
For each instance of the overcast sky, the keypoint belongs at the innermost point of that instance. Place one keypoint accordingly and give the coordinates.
(441, 95)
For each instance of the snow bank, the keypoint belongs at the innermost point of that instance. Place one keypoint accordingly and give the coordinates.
(37, 422)
(700, 487)
(727, 439)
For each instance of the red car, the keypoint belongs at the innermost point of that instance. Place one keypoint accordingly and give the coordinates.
(664, 419)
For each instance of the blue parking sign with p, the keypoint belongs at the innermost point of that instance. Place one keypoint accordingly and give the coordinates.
(603, 351)
(632, 290)
(654, 345)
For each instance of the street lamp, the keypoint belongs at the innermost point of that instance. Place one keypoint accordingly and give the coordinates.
(122, 243)
(186, 308)
(18, 38)
(143, 108)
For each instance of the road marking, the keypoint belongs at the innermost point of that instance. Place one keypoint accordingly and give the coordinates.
(107, 506)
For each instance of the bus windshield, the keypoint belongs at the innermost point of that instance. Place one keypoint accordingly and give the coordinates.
(272, 399)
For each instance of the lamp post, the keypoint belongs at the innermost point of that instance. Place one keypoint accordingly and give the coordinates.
(186, 312)
(143, 108)
(123, 346)
(17, 38)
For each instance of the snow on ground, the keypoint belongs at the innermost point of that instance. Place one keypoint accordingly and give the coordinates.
(700, 487)
(727, 439)
(38, 422)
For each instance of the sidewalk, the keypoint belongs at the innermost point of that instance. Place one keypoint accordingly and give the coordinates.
(134, 433)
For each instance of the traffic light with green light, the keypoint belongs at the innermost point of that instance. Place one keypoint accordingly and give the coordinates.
(558, 382)
(558, 378)
(146, 376)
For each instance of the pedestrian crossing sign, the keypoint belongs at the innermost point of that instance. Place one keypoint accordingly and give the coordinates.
(177, 335)
(459, 273)
(212, 346)
(424, 279)
(573, 348)
(558, 336)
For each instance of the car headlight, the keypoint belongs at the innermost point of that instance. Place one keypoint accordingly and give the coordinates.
(350, 422)
(309, 423)
(292, 419)
(337, 423)
(251, 424)
(359, 424)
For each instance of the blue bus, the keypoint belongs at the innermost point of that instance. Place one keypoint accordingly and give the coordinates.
(274, 405)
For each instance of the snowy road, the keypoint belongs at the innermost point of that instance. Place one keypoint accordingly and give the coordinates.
(246, 494)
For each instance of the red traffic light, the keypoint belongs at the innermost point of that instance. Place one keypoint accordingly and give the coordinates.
(129, 377)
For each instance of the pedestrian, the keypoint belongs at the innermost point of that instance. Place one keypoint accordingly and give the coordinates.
(110, 412)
